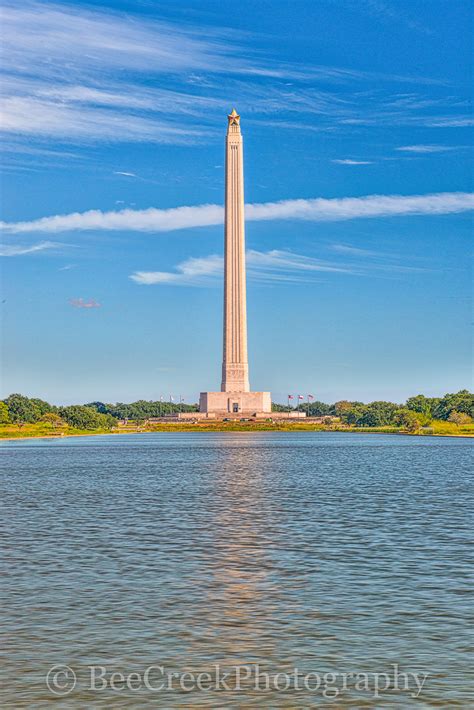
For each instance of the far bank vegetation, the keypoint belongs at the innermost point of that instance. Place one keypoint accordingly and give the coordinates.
(452, 414)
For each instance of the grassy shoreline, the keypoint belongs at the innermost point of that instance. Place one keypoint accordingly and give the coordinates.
(40, 431)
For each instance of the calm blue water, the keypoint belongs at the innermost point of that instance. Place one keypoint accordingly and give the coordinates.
(321, 551)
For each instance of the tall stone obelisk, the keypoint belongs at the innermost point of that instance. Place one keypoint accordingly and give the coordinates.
(234, 397)
(235, 368)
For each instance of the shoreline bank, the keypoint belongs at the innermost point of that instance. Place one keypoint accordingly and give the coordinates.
(180, 429)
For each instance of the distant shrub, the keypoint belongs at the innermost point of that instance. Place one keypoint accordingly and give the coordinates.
(82, 417)
(22, 410)
(42, 406)
(459, 418)
(408, 419)
(4, 414)
(462, 401)
(54, 420)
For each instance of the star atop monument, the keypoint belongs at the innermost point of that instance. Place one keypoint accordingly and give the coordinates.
(233, 118)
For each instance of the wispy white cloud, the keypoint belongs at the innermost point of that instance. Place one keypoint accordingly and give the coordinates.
(373, 114)
(349, 161)
(123, 172)
(61, 38)
(450, 122)
(281, 266)
(18, 147)
(275, 265)
(414, 101)
(317, 210)
(370, 260)
(25, 115)
(77, 74)
(193, 271)
(425, 148)
(391, 13)
(20, 250)
(64, 70)
(149, 220)
(80, 303)
(352, 251)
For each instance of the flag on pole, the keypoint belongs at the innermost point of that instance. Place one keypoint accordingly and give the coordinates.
(310, 396)
(290, 396)
(300, 396)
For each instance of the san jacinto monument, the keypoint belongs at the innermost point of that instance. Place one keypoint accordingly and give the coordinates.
(235, 397)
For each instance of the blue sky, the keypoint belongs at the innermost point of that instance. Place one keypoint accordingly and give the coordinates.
(357, 125)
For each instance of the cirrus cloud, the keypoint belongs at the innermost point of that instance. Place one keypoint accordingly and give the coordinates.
(425, 148)
(349, 161)
(318, 210)
(274, 265)
(279, 265)
(20, 250)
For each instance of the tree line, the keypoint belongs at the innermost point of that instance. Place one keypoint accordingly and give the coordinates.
(142, 409)
(415, 412)
(21, 410)
(18, 409)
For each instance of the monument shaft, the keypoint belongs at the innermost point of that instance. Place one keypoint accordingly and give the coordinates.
(235, 369)
(234, 397)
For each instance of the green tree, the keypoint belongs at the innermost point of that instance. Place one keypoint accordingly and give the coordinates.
(408, 418)
(143, 409)
(315, 409)
(22, 410)
(107, 421)
(342, 407)
(462, 401)
(4, 414)
(355, 415)
(276, 407)
(42, 406)
(99, 407)
(379, 413)
(53, 419)
(423, 405)
(82, 417)
(459, 418)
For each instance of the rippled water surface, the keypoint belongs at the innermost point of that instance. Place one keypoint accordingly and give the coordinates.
(323, 552)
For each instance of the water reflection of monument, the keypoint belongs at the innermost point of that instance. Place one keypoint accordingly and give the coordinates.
(241, 597)
(235, 396)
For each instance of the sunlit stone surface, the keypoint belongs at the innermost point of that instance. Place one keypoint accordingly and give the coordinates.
(235, 397)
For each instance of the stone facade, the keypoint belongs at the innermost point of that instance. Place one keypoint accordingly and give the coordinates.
(235, 368)
(232, 403)
(235, 397)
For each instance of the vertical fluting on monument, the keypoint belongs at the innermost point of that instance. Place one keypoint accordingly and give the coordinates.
(235, 369)
(234, 397)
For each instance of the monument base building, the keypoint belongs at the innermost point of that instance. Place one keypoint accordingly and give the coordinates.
(224, 404)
